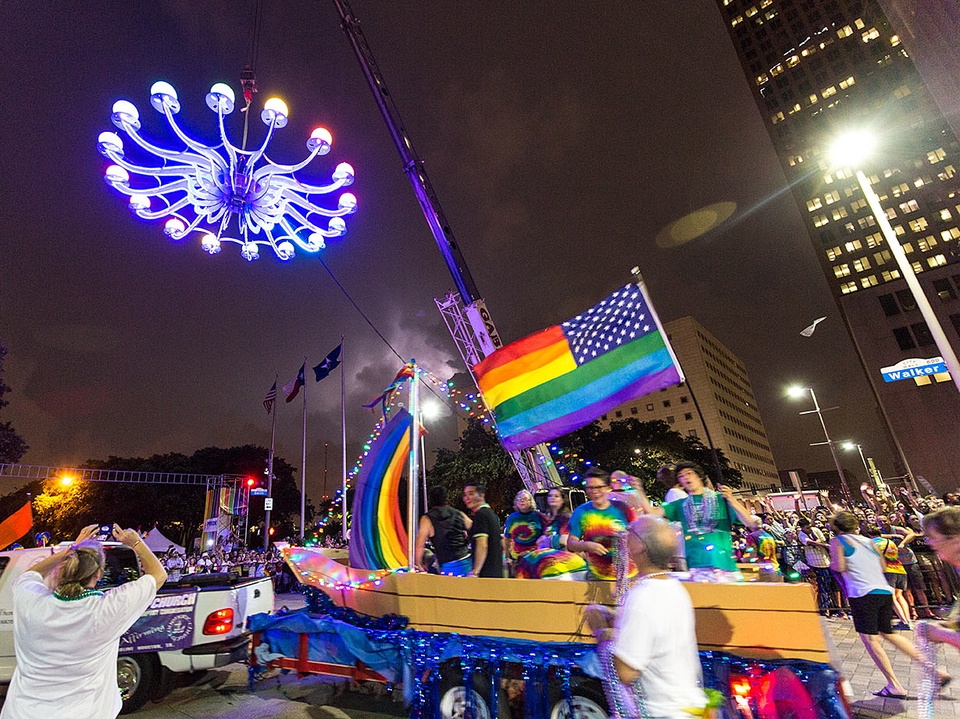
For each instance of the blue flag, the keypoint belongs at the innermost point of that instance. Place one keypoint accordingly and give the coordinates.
(329, 363)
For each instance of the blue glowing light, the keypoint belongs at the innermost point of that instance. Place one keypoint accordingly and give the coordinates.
(201, 188)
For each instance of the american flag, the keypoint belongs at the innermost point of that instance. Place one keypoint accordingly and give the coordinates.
(617, 320)
(270, 398)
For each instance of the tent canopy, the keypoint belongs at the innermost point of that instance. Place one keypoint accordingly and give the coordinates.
(159, 543)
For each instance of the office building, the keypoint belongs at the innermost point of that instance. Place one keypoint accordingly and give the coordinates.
(818, 69)
(723, 391)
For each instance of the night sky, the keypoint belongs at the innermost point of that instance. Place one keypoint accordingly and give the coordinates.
(562, 138)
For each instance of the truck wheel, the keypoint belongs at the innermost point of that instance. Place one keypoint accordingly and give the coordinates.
(137, 676)
(587, 704)
(453, 704)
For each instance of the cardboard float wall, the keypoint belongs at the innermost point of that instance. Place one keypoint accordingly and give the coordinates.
(756, 620)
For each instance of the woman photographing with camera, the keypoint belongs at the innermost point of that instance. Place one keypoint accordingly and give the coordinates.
(66, 633)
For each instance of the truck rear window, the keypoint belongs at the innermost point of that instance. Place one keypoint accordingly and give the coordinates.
(121, 567)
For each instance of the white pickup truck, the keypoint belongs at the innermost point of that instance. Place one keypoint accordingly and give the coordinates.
(195, 624)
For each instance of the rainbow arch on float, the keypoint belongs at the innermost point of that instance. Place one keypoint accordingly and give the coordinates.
(378, 539)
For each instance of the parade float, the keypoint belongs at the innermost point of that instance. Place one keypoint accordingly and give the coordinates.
(467, 646)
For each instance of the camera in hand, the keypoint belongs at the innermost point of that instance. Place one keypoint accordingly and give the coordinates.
(104, 532)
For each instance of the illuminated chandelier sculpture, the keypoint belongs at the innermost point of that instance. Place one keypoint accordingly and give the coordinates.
(201, 188)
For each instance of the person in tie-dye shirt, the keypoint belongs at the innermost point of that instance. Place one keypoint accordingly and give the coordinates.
(522, 528)
(595, 526)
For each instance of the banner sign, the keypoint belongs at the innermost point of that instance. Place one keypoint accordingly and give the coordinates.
(167, 624)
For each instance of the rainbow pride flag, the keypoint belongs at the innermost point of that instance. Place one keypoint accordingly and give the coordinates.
(564, 377)
(378, 539)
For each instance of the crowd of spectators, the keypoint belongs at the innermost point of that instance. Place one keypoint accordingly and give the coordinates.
(226, 557)
(801, 537)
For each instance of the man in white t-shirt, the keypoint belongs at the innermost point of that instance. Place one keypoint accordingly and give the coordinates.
(653, 634)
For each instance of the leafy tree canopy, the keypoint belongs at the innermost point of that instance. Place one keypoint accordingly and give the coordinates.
(12, 445)
(177, 509)
(638, 448)
(481, 459)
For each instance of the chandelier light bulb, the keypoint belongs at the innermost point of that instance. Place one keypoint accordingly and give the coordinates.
(320, 141)
(125, 113)
(163, 97)
(228, 194)
(274, 112)
(139, 202)
(348, 202)
(285, 250)
(109, 140)
(344, 173)
(116, 176)
(210, 244)
(175, 228)
(221, 98)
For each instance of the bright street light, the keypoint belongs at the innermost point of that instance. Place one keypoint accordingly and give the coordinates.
(430, 410)
(797, 392)
(850, 446)
(850, 151)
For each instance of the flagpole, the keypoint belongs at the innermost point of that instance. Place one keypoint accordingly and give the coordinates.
(343, 441)
(413, 469)
(663, 333)
(273, 440)
(303, 458)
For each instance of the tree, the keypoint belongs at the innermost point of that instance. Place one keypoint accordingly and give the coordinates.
(177, 509)
(12, 445)
(480, 458)
(638, 448)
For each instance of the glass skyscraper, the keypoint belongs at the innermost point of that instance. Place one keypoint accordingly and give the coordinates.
(818, 69)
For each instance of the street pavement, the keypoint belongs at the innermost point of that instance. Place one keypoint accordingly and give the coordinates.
(865, 678)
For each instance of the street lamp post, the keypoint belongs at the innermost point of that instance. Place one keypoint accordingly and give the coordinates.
(817, 410)
(850, 151)
(859, 448)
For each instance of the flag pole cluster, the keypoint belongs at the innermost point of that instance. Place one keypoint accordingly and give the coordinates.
(292, 388)
(564, 377)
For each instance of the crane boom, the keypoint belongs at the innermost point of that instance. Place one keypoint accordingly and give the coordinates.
(477, 336)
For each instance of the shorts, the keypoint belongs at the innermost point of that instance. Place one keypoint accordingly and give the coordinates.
(458, 567)
(914, 577)
(896, 580)
(872, 613)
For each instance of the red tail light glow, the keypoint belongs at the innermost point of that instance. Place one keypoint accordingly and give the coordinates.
(219, 622)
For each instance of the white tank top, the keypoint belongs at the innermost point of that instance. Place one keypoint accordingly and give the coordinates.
(864, 574)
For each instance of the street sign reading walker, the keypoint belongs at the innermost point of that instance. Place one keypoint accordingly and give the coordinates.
(914, 367)
(258, 492)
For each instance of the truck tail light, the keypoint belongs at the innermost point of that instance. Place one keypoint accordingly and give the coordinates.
(742, 693)
(219, 622)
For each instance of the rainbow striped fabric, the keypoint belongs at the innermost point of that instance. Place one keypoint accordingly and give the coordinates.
(378, 539)
(564, 377)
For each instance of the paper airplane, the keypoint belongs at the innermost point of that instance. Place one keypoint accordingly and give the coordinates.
(808, 331)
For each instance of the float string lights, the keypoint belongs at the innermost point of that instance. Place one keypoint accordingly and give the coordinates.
(201, 188)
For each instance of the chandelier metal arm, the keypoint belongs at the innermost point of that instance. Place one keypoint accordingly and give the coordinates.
(274, 167)
(291, 183)
(166, 170)
(210, 153)
(295, 200)
(170, 209)
(202, 154)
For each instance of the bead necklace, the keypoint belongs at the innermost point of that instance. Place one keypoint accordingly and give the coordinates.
(655, 574)
(83, 595)
(701, 517)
